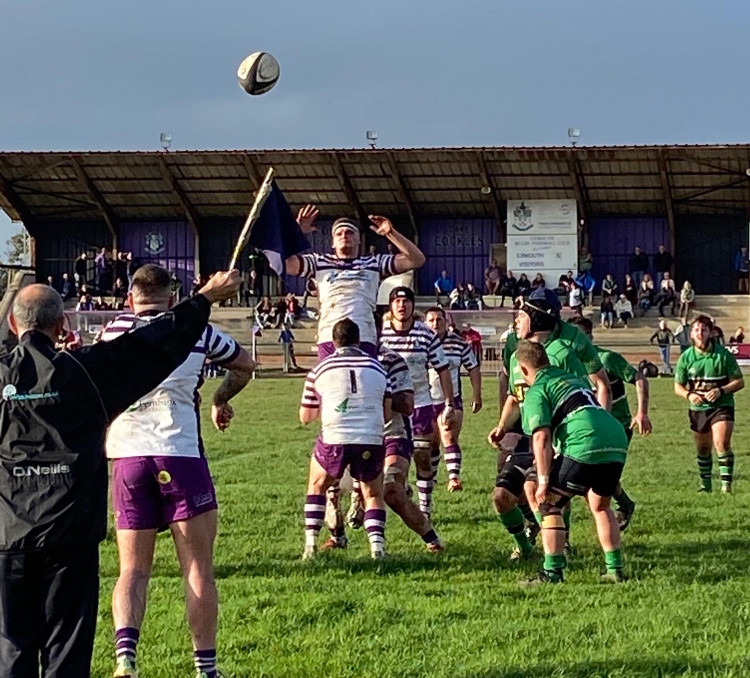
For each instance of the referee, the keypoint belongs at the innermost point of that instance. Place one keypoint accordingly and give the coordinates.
(54, 411)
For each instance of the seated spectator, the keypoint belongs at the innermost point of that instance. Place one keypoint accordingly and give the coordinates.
(607, 310)
(69, 340)
(563, 284)
(649, 282)
(51, 282)
(67, 289)
(264, 311)
(538, 281)
(473, 298)
(587, 283)
(457, 299)
(630, 289)
(85, 303)
(609, 286)
(664, 338)
(738, 337)
(645, 298)
(575, 299)
(119, 294)
(493, 278)
(508, 288)
(667, 295)
(687, 301)
(523, 286)
(443, 286)
(279, 312)
(624, 309)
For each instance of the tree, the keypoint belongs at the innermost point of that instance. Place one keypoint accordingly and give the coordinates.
(15, 248)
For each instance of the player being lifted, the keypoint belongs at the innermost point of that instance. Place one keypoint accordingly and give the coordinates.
(459, 354)
(419, 346)
(621, 372)
(347, 282)
(560, 409)
(707, 376)
(350, 393)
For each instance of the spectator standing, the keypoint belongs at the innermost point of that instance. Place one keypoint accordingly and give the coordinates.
(585, 260)
(738, 337)
(175, 285)
(638, 265)
(742, 269)
(443, 286)
(102, 269)
(474, 339)
(67, 289)
(523, 287)
(508, 288)
(575, 299)
(292, 309)
(587, 283)
(286, 339)
(80, 271)
(133, 266)
(51, 281)
(624, 310)
(662, 263)
(609, 286)
(311, 290)
(667, 293)
(492, 278)
(120, 267)
(119, 294)
(687, 301)
(607, 310)
(664, 339)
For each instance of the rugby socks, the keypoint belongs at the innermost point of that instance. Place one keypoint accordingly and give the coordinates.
(613, 561)
(430, 537)
(530, 516)
(705, 464)
(513, 521)
(554, 564)
(315, 513)
(375, 528)
(434, 461)
(453, 460)
(205, 663)
(126, 643)
(425, 485)
(726, 470)
(567, 510)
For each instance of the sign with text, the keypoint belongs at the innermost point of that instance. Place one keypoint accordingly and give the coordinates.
(542, 217)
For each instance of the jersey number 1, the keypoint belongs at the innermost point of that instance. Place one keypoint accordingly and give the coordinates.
(353, 381)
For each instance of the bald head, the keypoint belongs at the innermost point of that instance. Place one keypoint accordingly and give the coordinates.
(37, 307)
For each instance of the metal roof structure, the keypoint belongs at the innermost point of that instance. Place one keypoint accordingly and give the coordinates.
(415, 183)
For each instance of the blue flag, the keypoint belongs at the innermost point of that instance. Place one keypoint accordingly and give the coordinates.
(276, 232)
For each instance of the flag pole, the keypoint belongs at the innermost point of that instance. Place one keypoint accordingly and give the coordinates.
(263, 192)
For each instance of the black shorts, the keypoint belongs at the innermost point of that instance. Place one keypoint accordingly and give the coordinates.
(701, 421)
(629, 433)
(568, 476)
(515, 468)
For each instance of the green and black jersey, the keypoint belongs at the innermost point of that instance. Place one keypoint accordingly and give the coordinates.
(620, 372)
(581, 429)
(701, 371)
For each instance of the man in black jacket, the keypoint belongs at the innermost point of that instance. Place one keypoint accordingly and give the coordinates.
(637, 265)
(54, 411)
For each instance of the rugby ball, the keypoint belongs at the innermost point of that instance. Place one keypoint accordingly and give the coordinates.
(258, 73)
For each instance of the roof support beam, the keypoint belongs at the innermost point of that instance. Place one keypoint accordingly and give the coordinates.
(579, 186)
(494, 198)
(403, 194)
(706, 191)
(666, 188)
(351, 194)
(101, 204)
(252, 170)
(15, 201)
(42, 168)
(173, 185)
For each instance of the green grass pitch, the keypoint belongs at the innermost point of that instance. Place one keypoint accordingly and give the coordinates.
(686, 611)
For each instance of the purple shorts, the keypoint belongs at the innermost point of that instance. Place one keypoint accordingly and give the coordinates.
(423, 420)
(365, 462)
(458, 404)
(327, 348)
(400, 447)
(151, 492)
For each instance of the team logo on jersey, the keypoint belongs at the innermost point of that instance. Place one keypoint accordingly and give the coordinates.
(164, 477)
(10, 392)
(155, 243)
(343, 406)
(522, 217)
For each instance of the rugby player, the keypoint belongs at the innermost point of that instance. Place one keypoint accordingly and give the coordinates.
(459, 354)
(621, 372)
(160, 478)
(350, 393)
(419, 346)
(560, 408)
(347, 282)
(707, 376)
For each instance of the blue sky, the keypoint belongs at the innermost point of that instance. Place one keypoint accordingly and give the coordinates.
(81, 75)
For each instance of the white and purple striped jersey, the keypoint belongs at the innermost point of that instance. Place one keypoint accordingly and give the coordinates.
(347, 288)
(421, 350)
(348, 387)
(459, 354)
(165, 421)
(400, 382)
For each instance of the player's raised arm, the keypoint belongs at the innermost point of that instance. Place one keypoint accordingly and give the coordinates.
(306, 219)
(409, 256)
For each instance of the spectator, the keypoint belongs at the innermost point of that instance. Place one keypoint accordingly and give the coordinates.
(286, 339)
(254, 289)
(50, 282)
(563, 284)
(492, 278)
(624, 310)
(457, 299)
(83, 292)
(372, 250)
(80, 271)
(637, 265)
(119, 294)
(102, 270)
(120, 267)
(662, 262)
(523, 286)
(587, 283)
(264, 311)
(508, 288)
(585, 260)
(738, 337)
(575, 299)
(474, 339)
(645, 298)
(67, 290)
(682, 336)
(292, 309)
(742, 269)
(538, 281)
(279, 313)
(194, 286)
(630, 289)
(86, 303)
(607, 310)
(687, 301)
(473, 298)
(664, 339)
(609, 286)
(650, 283)
(133, 266)
(667, 295)
(175, 285)
(717, 334)
(443, 286)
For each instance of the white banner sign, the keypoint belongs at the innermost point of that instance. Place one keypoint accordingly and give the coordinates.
(542, 217)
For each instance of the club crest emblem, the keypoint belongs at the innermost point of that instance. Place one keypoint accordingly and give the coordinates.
(155, 243)
(522, 217)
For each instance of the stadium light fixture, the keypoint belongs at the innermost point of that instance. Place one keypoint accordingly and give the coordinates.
(372, 137)
(574, 133)
(166, 140)
(486, 190)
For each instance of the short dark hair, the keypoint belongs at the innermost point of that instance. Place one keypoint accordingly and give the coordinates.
(151, 281)
(584, 323)
(531, 353)
(703, 319)
(345, 333)
(436, 309)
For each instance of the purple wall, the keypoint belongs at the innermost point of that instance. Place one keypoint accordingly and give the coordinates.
(611, 242)
(170, 244)
(460, 246)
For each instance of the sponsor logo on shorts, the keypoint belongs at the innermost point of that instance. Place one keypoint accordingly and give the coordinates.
(366, 454)
(164, 477)
(202, 499)
(40, 470)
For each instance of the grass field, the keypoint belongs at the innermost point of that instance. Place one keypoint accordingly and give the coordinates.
(685, 612)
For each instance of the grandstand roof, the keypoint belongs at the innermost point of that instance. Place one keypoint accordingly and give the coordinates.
(413, 182)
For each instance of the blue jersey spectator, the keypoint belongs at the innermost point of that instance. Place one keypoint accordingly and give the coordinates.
(443, 286)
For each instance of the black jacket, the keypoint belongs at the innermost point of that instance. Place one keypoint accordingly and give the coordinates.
(638, 262)
(54, 411)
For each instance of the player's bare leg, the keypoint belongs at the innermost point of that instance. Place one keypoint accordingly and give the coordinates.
(608, 532)
(453, 454)
(315, 505)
